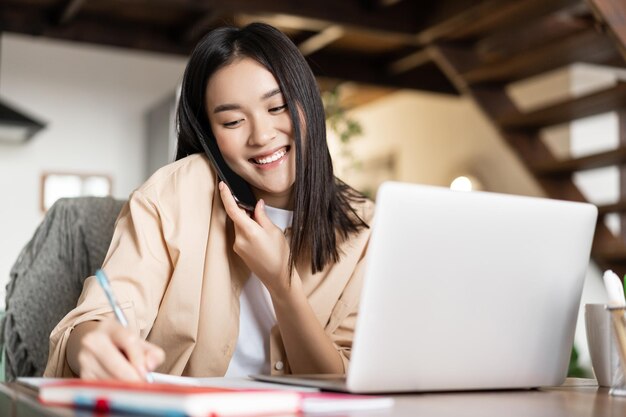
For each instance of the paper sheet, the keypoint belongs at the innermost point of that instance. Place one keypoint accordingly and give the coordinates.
(222, 382)
(226, 382)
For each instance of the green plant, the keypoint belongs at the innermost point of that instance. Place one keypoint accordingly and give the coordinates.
(575, 370)
(345, 127)
(338, 120)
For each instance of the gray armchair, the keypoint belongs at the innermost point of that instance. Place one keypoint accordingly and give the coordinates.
(47, 278)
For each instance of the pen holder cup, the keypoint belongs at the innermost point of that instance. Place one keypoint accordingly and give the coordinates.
(618, 323)
(604, 344)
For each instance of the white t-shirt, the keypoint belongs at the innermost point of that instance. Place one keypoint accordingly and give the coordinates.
(256, 317)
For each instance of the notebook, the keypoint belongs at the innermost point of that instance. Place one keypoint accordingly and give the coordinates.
(466, 291)
(167, 400)
(196, 401)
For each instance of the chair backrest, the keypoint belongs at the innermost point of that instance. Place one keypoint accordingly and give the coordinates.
(47, 278)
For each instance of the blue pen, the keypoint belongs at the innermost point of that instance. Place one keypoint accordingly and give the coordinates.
(119, 315)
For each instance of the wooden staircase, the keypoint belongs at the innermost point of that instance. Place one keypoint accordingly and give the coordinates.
(527, 38)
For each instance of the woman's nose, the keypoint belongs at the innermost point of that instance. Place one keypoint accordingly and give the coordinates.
(263, 131)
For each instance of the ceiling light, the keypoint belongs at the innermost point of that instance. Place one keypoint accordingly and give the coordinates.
(466, 183)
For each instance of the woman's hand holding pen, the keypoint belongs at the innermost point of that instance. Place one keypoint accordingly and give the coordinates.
(110, 351)
(259, 242)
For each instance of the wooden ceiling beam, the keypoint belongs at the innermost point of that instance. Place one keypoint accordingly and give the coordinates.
(91, 30)
(613, 12)
(584, 46)
(69, 11)
(321, 40)
(402, 17)
(409, 62)
(526, 35)
(120, 35)
(366, 70)
(353, 67)
(201, 26)
(285, 21)
(23, 20)
(425, 21)
(488, 15)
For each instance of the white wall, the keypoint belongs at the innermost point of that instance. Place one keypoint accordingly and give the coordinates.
(94, 100)
(436, 138)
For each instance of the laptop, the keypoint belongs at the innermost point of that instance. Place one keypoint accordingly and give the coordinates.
(465, 291)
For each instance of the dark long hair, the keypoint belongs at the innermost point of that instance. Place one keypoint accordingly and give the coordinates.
(322, 204)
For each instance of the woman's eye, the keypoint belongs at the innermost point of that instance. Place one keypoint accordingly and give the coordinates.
(278, 109)
(233, 123)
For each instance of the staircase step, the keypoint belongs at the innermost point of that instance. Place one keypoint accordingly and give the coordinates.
(611, 256)
(486, 17)
(585, 46)
(613, 15)
(564, 19)
(483, 71)
(576, 108)
(618, 207)
(568, 166)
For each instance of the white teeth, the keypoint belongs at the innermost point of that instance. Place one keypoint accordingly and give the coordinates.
(274, 157)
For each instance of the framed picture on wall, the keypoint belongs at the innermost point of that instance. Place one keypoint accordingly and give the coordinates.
(55, 185)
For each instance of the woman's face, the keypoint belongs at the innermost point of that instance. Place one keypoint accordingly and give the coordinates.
(251, 124)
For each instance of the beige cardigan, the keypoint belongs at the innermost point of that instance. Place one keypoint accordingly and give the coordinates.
(176, 277)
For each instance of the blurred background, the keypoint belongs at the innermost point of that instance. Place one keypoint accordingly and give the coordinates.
(514, 96)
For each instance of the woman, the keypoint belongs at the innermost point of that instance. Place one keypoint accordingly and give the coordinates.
(208, 289)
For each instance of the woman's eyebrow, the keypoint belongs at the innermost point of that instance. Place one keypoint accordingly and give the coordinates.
(227, 107)
(270, 94)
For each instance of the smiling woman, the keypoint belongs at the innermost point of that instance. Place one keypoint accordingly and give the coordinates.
(208, 288)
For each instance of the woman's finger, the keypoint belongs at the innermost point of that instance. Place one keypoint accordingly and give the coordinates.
(116, 364)
(101, 358)
(154, 355)
(260, 216)
(236, 213)
(133, 348)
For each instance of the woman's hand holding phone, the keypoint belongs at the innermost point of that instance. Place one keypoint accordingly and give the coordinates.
(260, 243)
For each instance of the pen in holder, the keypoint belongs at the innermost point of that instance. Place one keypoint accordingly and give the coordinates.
(618, 384)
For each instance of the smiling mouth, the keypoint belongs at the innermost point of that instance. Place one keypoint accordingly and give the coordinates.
(280, 153)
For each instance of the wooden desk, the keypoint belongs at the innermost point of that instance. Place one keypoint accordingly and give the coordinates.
(18, 400)
(577, 398)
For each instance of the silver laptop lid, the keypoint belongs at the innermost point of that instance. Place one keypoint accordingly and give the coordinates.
(469, 290)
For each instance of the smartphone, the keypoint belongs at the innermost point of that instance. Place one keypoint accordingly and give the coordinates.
(239, 188)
